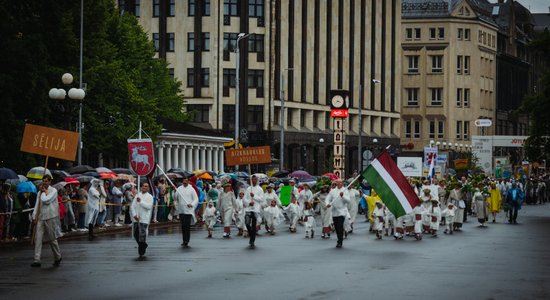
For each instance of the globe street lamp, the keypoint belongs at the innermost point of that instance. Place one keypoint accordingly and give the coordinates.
(73, 94)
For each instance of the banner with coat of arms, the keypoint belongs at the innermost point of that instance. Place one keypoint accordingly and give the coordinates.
(141, 156)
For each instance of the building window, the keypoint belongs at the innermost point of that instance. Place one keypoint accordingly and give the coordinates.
(466, 98)
(409, 33)
(480, 36)
(256, 43)
(459, 64)
(171, 72)
(256, 8)
(458, 130)
(466, 34)
(327, 120)
(432, 34)
(440, 129)
(205, 77)
(156, 8)
(230, 41)
(289, 116)
(255, 117)
(440, 33)
(432, 129)
(255, 78)
(171, 42)
(200, 112)
(276, 115)
(137, 8)
(206, 41)
(172, 8)
(190, 41)
(316, 116)
(302, 118)
(459, 97)
(408, 127)
(156, 42)
(412, 96)
(413, 63)
(460, 33)
(437, 94)
(466, 65)
(466, 130)
(417, 33)
(437, 63)
(191, 7)
(228, 117)
(190, 77)
(230, 7)
(417, 127)
(229, 77)
(206, 11)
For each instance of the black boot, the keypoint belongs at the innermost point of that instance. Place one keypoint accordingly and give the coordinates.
(91, 235)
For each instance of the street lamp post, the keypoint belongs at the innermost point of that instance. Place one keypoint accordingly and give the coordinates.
(237, 90)
(73, 94)
(282, 112)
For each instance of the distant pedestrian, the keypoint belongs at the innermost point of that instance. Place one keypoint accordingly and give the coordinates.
(186, 200)
(227, 204)
(309, 219)
(210, 217)
(494, 201)
(514, 198)
(92, 211)
(141, 210)
(46, 220)
(480, 206)
(117, 202)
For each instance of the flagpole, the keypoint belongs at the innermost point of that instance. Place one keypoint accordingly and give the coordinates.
(139, 177)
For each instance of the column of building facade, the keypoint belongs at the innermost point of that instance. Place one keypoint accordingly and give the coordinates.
(160, 155)
(215, 157)
(168, 157)
(202, 161)
(221, 160)
(209, 157)
(176, 151)
(189, 165)
(196, 157)
(183, 157)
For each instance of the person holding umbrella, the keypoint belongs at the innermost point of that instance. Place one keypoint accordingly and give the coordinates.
(46, 220)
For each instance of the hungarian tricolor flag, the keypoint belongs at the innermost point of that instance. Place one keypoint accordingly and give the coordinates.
(392, 186)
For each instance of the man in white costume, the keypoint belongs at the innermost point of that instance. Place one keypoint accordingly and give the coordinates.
(255, 193)
(140, 211)
(46, 219)
(338, 198)
(226, 206)
(185, 201)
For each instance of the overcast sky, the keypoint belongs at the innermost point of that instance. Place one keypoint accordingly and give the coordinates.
(535, 6)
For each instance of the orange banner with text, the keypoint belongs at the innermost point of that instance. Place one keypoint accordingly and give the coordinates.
(49, 142)
(248, 156)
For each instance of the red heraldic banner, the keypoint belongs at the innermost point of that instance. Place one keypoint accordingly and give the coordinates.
(141, 156)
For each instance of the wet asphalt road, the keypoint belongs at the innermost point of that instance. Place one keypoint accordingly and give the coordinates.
(499, 262)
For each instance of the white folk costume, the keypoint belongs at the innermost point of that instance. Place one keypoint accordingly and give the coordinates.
(326, 214)
(309, 221)
(353, 207)
(480, 207)
(258, 198)
(449, 214)
(239, 215)
(226, 206)
(427, 205)
(455, 197)
(379, 215)
(389, 221)
(140, 212)
(399, 227)
(435, 217)
(209, 217)
(305, 196)
(48, 228)
(273, 217)
(293, 212)
(419, 213)
(409, 220)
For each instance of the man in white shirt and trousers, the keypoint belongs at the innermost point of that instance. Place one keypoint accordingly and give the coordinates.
(46, 219)
(140, 211)
(186, 200)
(338, 199)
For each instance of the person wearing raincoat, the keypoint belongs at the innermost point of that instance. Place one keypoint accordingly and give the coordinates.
(371, 200)
(494, 201)
(185, 201)
(226, 206)
(141, 210)
(92, 210)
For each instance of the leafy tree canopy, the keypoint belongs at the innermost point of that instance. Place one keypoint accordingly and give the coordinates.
(125, 84)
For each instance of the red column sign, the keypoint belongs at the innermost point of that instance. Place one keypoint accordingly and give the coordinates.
(141, 156)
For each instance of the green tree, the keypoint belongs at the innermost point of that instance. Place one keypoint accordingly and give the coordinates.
(125, 83)
(537, 146)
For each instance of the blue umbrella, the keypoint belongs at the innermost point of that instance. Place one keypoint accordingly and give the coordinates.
(6, 173)
(26, 187)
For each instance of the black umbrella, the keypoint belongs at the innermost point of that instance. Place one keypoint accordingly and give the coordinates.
(60, 174)
(92, 173)
(280, 174)
(124, 171)
(180, 171)
(80, 169)
(6, 173)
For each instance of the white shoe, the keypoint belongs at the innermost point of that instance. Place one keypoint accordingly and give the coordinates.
(118, 225)
(106, 225)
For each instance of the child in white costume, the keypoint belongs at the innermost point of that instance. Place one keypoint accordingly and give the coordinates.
(435, 217)
(309, 219)
(399, 227)
(389, 222)
(293, 212)
(273, 216)
(239, 215)
(449, 214)
(427, 205)
(418, 212)
(379, 216)
(209, 217)
(409, 223)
